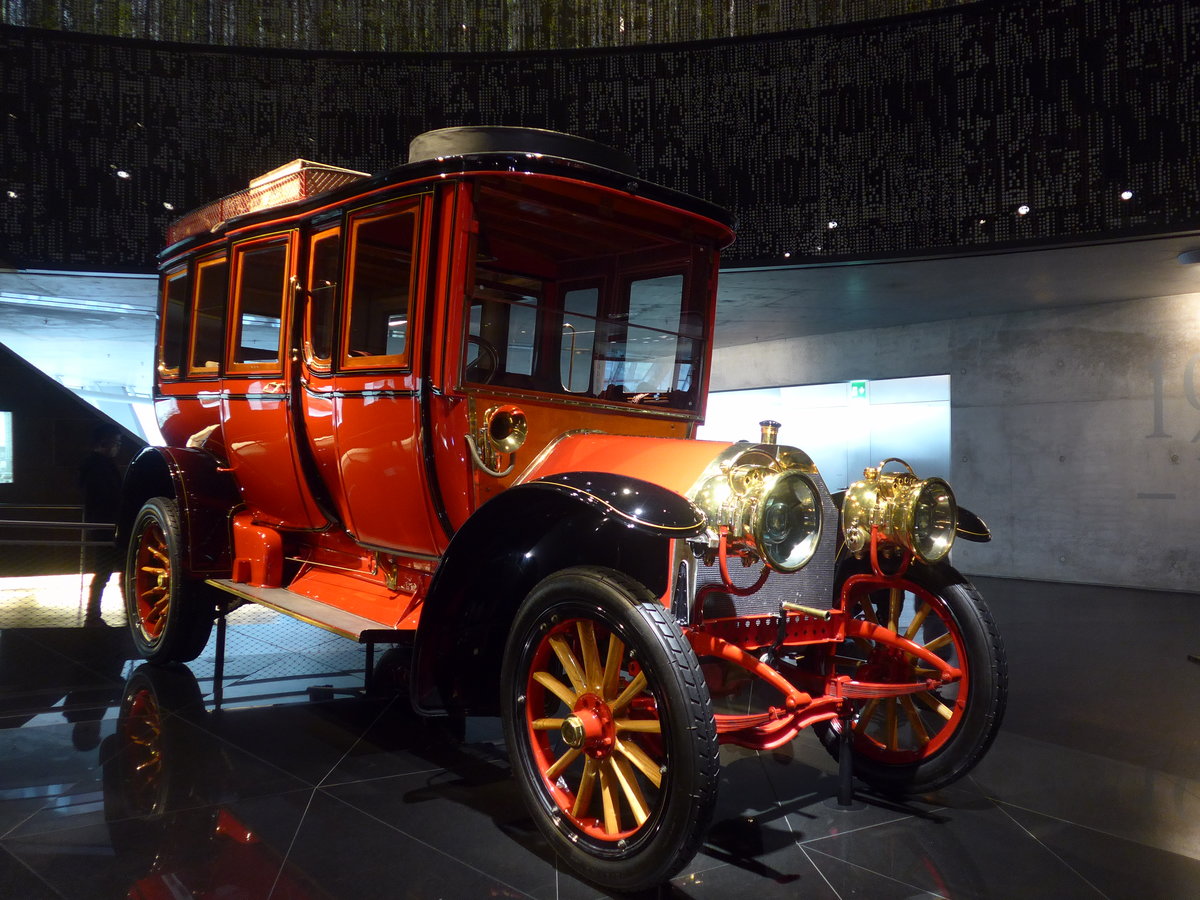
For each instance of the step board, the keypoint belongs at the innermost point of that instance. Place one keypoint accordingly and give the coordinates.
(314, 612)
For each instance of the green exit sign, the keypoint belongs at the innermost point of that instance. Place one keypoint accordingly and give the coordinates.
(858, 390)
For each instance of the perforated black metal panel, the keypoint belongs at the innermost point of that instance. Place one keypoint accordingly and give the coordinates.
(873, 138)
(812, 586)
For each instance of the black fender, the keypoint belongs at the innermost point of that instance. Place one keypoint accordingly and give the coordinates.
(514, 541)
(193, 477)
(970, 526)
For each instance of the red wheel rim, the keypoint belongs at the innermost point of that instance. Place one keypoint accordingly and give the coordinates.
(152, 580)
(912, 727)
(594, 730)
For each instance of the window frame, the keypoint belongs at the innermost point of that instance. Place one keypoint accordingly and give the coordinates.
(418, 205)
(213, 367)
(334, 233)
(162, 367)
(237, 268)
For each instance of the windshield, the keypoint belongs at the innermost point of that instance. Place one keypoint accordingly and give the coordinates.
(585, 307)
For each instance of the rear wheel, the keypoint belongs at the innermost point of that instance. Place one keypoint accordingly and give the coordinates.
(170, 617)
(919, 742)
(609, 727)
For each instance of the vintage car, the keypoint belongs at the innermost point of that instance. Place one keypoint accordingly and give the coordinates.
(453, 408)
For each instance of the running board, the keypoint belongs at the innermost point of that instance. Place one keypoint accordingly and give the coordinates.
(314, 612)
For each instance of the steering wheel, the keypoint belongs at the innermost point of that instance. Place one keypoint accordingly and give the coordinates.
(482, 367)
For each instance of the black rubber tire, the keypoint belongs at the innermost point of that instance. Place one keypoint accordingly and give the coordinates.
(961, 609)
(680, 806)
(170, 619)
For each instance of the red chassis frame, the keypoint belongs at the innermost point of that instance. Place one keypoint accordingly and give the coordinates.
(824, 697)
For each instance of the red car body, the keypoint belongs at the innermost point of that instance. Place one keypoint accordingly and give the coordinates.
(454, 407)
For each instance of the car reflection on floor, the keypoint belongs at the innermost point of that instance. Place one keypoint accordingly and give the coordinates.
(297, 784)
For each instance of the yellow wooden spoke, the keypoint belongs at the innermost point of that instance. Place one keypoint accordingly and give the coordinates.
(547, 724)
(641, 759)
(612, 667)
(935, 704)
(160, 555)
(627, 779)
(895, 607)
(864, 717)
(562, 649)
(562, 762)
(556, 687)
(632, 689)
(940, 642)
(590, 653)
(914, 720)
(642, 726)
(891, 734)
(583, 797)
(918, 620)
(609, 800)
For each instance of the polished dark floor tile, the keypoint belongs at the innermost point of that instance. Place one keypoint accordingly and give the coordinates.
(1118, 868)
(1135, 803)
(16, 880)
(282, 780)
(974, 851)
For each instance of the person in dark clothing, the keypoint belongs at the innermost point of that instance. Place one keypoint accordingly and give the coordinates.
(100, 480)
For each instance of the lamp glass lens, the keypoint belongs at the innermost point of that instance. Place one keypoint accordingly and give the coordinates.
(788, 521)
(935, 518)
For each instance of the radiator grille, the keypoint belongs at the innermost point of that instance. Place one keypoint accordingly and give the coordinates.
(811, 586)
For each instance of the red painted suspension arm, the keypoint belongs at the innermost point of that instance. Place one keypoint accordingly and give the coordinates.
(872, 632)
(771, 729)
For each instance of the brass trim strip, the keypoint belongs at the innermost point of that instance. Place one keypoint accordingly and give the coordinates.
(624, 515)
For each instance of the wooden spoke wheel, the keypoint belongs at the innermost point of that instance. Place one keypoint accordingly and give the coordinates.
(170, 616)
(158, 792)
(922, 740)
(609, 727)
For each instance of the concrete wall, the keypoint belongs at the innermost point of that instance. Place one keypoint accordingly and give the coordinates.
(1074, 432)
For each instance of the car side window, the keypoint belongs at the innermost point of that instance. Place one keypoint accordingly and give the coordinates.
(323, 280)
(381, 285)
(176, 288)
(208, 315)
(261, 281)
(578, 339)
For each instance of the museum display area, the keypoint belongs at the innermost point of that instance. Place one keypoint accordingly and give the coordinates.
(561, 489)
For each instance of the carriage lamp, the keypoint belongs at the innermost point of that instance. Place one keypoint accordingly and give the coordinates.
(765, 507)
(786, 520)
(917, 514)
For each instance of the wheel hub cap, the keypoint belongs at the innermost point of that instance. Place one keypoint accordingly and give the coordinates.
(572, 732)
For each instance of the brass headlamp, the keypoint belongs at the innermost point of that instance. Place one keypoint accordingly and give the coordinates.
(917, 514)
(763, 496)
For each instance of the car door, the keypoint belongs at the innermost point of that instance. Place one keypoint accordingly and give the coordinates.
(261, 444)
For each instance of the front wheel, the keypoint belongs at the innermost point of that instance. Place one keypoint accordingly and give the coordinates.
(609, 727)
(919, 742)
(170, 617)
